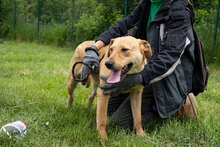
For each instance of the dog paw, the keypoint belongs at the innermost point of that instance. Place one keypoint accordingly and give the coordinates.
(102, 134)
(140, 133)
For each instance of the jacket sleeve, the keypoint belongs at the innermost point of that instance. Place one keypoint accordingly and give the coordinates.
(122, 26)
(174, 43)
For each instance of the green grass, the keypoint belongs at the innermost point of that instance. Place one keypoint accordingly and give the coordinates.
(56, 34)
(206, 34)
(33, 81)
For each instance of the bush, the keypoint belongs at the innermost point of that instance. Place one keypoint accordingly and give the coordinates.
(56, 34)
(204, 24)
(5, 17)
(206, 34)
(204, 17)
(91, 25)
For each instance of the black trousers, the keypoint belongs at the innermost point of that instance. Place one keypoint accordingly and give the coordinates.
(119, 108)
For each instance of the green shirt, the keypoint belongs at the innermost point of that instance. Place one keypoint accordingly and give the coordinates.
(155, 6)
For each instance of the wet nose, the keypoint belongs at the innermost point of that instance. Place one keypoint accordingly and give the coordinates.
(109, 64)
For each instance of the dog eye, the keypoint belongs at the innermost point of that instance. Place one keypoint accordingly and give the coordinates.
(124, 50)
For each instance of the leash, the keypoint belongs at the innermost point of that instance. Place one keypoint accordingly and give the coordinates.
(91, 67)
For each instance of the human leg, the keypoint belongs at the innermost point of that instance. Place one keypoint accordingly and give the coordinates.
(123, 114)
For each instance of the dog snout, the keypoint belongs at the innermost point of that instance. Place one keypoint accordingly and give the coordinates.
(109, 64)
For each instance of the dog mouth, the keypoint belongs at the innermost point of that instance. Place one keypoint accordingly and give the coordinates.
(120, 74)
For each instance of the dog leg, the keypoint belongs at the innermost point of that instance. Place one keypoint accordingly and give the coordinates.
(102, 104)
(71, 85)
(135, 98)
(92, 94)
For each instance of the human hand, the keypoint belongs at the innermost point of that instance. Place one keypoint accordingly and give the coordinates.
(91, 58)
(116, 88)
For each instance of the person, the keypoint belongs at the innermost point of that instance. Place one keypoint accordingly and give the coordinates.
(167, 77)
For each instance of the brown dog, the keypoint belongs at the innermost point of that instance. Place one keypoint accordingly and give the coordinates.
(129, 56)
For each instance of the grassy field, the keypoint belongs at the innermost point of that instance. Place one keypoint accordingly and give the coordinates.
(33, 89)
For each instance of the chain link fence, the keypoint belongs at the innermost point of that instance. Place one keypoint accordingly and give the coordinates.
(48, 21)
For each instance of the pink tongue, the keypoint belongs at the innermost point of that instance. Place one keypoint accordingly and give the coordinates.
(115, 77)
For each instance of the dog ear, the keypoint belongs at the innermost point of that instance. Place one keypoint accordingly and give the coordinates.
(145, 48)
(109, 49)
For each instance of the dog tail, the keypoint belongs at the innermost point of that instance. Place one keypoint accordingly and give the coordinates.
(88, 82)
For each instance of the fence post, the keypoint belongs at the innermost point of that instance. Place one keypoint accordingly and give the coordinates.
(14, 22)
(216, 26)
(38, 17)
(126, 7)
(72, 20)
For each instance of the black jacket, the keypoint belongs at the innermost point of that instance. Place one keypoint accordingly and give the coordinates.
(171, 66)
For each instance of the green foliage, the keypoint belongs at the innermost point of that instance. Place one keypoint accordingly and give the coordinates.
(204, 17)
(132, 4)
(205, 21)
(54, 11)
(27, 11)
(205, 4)
(51, 11)
(6, 10)
(205, 33)
(205, 12)
(56, 34)
(93, 24)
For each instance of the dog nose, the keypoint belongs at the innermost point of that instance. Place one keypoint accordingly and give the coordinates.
(109, 64)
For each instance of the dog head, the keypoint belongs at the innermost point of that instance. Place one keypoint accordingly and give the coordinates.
(126, 55)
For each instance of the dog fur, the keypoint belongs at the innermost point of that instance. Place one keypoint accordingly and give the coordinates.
(122, 51)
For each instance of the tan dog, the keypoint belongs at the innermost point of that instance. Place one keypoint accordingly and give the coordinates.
(129, 56)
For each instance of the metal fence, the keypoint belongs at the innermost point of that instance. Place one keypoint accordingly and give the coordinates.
(37, 12)
(216, 26)
(72, 12)
(39, 16)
